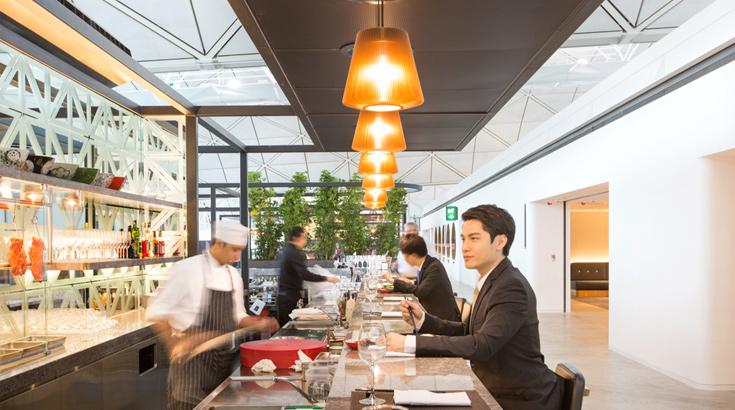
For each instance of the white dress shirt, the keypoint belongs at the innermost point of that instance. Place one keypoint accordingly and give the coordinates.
(181, 299)
(409, 345)
(404, 268)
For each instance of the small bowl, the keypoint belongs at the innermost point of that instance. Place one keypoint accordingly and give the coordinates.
(352, 344)
(103, 179)
(63, 171)
(13, 157)
(117, 183)
(85, 175)
(41, 163)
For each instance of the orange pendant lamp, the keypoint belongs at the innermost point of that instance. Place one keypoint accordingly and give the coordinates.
(374, 205)
(382, 74)
(379, 131)
(375, 195)
(377, 162)
(378, 181)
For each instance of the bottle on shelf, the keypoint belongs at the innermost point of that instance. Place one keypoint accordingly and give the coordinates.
(132, 251)
(155, 244)
(135, 232)
(144, 248)
(161, 243)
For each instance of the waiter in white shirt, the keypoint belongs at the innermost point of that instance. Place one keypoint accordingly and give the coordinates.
(404, 268)
(202, 299)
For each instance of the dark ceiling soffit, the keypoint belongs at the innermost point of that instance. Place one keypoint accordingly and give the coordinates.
(247, 19)
(554, 42)
(344, 184)
(256, 149)
(244, 111)
(215, 128)
(76, 23)
(661, 88)
(37, 53)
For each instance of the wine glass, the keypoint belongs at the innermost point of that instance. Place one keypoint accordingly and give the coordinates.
(371, 287)
(372, 345)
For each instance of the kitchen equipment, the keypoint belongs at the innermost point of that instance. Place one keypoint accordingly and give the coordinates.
(26, 348)
(9, 355)
(63, 170)
(41, 163)
(52, 341)
(283, 352)
(117, 183)
(85, 175)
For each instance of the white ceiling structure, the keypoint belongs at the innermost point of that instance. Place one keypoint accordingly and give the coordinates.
(200, 49)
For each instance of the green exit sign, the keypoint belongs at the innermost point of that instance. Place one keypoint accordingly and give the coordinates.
(451, 213)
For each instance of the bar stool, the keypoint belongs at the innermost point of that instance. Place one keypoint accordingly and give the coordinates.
(574, 389)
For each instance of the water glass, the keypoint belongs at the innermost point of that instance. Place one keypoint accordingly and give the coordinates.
(372, 345)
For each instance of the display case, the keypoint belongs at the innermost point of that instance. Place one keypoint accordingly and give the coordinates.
(76, 170)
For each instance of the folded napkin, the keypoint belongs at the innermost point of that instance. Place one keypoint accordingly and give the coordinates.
(308, 314)
(428, 398)
(298, 363)
(264, 366)
(392, 314)
(394, 298)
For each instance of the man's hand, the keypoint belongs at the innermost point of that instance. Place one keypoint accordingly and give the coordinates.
(418, 313)
(396, 342)
(333, 279)
(260, 324)
(387, 276)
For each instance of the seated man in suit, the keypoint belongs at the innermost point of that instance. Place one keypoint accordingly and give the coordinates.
(501, 337)
(432, 285)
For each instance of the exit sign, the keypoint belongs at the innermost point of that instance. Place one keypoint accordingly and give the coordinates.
(451, 213)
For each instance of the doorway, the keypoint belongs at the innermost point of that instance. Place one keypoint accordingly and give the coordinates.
(588, 252)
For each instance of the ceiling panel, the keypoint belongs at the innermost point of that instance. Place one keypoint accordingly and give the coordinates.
(471, 55)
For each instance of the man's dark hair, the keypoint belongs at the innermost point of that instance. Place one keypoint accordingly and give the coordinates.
(413, 244)
(495, 221)
(294, 233)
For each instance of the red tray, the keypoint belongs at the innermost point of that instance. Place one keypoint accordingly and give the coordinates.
(282, 352)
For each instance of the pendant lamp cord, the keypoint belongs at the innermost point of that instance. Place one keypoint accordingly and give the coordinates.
(380, 13)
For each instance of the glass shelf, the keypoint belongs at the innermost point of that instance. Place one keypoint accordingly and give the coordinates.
(91, 192)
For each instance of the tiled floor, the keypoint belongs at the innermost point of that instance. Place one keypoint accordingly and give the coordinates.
(616, 382)
(580, 338)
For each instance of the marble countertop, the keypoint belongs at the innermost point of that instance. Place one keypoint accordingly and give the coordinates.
(402, 373)
(78, 350)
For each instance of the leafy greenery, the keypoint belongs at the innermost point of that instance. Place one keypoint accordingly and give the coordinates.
(387, 235)
(294, 208)
(325, 217)
(265, 217)
(353, 227)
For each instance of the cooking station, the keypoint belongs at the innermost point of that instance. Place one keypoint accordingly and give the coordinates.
(347, 373)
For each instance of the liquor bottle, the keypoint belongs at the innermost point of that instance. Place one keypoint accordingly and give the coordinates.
(155, 244)
(135, 233)
(132, 252)
(144, 248)
(161, 244)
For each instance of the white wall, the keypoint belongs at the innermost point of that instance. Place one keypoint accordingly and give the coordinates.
(671, 217)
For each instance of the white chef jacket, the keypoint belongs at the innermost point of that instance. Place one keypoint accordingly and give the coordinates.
(181, 299)
(404, 268)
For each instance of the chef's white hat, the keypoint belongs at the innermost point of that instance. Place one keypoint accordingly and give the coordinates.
(229, 231)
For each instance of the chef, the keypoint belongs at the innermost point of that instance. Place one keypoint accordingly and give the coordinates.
(202, 299)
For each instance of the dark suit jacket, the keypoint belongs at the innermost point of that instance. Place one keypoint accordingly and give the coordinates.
(433, 290)
(293, 272)
(501, 340)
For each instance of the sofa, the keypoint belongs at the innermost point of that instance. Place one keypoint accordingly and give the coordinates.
(589, 276)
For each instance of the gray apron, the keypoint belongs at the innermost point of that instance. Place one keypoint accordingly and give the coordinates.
(191, 381)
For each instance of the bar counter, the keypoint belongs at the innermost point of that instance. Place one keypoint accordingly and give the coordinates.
(423, 373)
